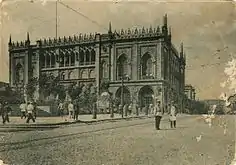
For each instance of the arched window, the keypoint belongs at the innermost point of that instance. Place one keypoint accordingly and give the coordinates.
(48, 60)
(43, 60)
(61, 59)
(63, 76)
(71, 75)
(53, 60)
(81, 57)
(91, 74)
(87, 56)
(93, 56)
(67, 58)
(84, 74)
(122, 66)
(19, 73)
(104, 69)
(147, 71)
(72, 58)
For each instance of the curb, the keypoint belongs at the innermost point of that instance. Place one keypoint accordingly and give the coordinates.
(57, 125)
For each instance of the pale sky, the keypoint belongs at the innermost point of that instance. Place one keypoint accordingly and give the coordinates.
(204, 27)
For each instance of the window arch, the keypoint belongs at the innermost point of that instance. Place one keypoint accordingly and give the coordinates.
(104, 69)
(91, 74)
(81, 57)
(122, 66)
(43, 58)
(93, 56)
(53, 60)
(147, 66)
(48, 60)
(63, 76)
(62, 59)
(87, 57)
(71, 75)
(67, 59)
(72, 58)
(84, 74)
(19, 73)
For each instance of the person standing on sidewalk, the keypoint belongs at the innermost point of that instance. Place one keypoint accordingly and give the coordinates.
(30, 109)
(23, 110)
(76, 110)
(173, 113)
(35, 109)
(60, 109)
(158, 112)
(71, 110)
(6, 112)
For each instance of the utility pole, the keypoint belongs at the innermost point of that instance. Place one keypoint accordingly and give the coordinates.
(56, 19)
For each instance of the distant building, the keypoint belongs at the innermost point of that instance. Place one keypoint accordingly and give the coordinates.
(190, 92)
(145, 59)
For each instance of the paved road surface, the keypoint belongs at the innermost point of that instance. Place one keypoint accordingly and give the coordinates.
(134, 142)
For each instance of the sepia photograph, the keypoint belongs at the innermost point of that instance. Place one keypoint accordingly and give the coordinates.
(102, 82)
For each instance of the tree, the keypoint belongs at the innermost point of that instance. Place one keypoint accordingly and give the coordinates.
(31, 87)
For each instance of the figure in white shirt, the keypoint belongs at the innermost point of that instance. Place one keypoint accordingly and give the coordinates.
(30, 109)
(173, 113)
(71, 110)
(23, 108)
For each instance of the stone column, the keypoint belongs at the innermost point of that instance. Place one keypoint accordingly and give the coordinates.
(134, 63)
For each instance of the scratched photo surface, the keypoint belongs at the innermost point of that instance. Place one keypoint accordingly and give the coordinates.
(117, 83)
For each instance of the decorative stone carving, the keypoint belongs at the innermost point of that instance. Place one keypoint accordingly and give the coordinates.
(121, 51)
(149, 49)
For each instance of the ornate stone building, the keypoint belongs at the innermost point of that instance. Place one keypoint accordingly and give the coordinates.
(145, 59)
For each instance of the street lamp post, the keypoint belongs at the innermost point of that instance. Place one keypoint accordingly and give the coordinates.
(122, 96)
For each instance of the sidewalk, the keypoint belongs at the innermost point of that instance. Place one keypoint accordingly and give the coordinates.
(55, 122)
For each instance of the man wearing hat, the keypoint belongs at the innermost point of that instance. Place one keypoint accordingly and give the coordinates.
(158, 112)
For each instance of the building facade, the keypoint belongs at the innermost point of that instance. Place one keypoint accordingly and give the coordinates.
(143, 60)
(190, 92)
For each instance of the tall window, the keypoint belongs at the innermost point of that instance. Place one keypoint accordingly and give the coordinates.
(63, 76)
(48, 61)
(147, 71)
(81, 57)
(72, 59)
(93, 56)
(87, 57)
(43, 61)
(104, 69)
(61, 59)
(122, 66)
(67, 59)
(53, 60)
(19, 73)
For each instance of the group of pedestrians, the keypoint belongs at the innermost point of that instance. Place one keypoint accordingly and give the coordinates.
(71, 108)
(29, 111)
(159, 112)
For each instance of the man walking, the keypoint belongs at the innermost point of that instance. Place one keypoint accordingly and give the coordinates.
(30, 109)
(173, 114)
(158, 114)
